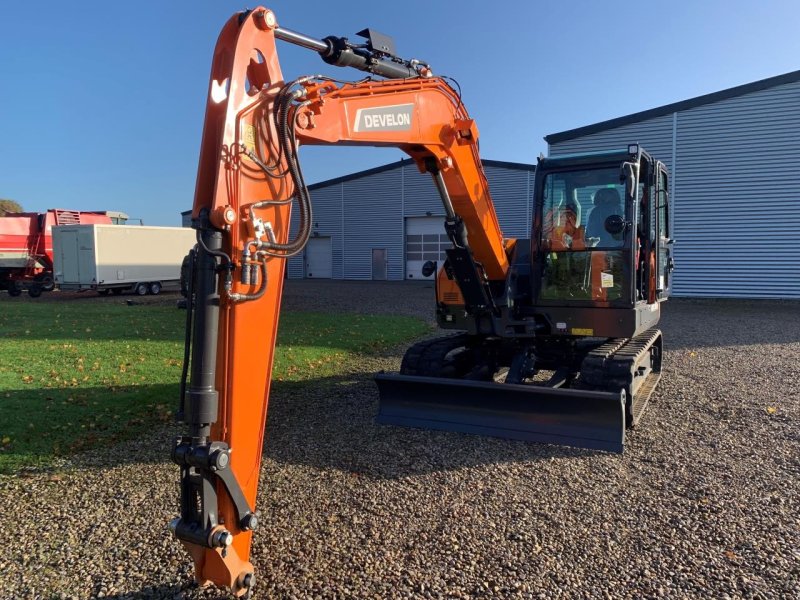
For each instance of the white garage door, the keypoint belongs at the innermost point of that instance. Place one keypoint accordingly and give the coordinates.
(318, 258)
(425, 240)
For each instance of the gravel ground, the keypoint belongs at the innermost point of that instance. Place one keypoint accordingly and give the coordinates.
(703, 504)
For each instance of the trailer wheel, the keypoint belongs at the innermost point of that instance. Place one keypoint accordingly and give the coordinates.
(34, 291)
(103, 292)
(155, 288)
(14, 291)
(116, 291)
(45, 280)
(140, 289)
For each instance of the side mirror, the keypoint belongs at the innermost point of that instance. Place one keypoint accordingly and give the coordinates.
(628, 175)
(429, 268)
(614, 224)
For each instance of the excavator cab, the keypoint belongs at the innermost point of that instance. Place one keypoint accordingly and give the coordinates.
(601, 243)
(567, 351)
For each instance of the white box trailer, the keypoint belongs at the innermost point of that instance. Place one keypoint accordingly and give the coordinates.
(119, 257)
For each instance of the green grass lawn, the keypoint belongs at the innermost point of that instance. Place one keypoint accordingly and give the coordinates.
(78, 375)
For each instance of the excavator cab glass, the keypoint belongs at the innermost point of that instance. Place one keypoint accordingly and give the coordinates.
(581, 238)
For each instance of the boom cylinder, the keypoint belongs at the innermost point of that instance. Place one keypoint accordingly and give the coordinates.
(202, 399)
(339, 52)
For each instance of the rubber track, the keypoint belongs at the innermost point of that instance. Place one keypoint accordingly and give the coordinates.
(426, 358)
(612, 366)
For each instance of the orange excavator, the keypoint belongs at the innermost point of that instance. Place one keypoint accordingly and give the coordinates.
(556, 337)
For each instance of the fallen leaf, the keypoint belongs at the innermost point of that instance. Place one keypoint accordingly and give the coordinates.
(771, 410)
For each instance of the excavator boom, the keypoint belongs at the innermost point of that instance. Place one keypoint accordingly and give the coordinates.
(248, 179)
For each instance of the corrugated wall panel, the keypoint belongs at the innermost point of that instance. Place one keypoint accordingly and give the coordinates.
(327, 219)
(368, 212)
(655, 135)
(373, 218)
(736, 188)
(737, 219)
(510, 189)
(419, 194)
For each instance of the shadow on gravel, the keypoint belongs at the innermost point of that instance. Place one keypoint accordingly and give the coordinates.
(707, 323)
(325, 423)
(162, 592)
(330, 424)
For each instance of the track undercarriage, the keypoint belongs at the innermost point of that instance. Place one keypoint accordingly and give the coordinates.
(570, 391)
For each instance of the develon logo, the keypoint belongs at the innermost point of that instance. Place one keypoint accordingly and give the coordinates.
(384, 118)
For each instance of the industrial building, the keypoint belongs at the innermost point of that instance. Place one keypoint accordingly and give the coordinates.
(384, 223)
(734, 160)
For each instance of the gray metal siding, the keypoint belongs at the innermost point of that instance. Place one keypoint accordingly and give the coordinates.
(369, 212)
(373, 218)
(327, 221)
(511, 195)
(737, 221)
(654, 135)
(735, 171)
(419, 194)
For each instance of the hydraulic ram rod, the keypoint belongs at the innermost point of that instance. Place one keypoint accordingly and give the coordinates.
(340, 52)
(293, 37)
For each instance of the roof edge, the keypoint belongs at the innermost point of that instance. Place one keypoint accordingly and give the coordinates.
(739, 90)
(407, 161)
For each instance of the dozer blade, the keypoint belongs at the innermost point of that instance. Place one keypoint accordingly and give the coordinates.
(567, 417)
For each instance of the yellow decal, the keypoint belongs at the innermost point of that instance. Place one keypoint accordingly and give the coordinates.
(606, 280)
(249, 136)
(582, 331)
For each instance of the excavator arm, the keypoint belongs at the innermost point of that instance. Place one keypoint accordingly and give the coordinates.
(248, 180)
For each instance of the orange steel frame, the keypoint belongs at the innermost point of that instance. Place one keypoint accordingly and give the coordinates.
(245, 79)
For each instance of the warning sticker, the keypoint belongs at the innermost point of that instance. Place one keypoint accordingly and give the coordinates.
(582, 331)
(249, 137)
(606, 280)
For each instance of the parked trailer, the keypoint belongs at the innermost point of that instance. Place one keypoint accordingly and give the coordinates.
(26, 246)
(118, 258)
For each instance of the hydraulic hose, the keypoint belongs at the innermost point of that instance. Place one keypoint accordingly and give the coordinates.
(187, 340)
(236, 297)
(301, 191)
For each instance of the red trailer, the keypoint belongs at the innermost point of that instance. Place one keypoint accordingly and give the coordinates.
(26, 246)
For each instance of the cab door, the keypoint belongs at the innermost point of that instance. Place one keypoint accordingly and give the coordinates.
(663, 241)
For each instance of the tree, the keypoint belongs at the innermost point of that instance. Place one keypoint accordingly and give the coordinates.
(9, 206)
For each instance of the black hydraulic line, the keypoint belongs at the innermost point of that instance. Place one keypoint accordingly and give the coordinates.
(187, 340)
(218, 253)
(285, 138)
(261, 290)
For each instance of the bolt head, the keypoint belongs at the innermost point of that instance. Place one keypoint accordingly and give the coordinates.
(250, 522)
(266, 20)
(221, 460)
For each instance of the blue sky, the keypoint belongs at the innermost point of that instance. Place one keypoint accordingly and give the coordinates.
(101, 103)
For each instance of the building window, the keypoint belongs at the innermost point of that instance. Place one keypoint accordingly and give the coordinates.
(428, 246)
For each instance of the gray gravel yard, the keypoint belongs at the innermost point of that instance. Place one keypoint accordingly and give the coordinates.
(703, 504)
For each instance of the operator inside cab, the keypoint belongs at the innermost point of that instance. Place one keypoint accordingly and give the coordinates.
(563, 229)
